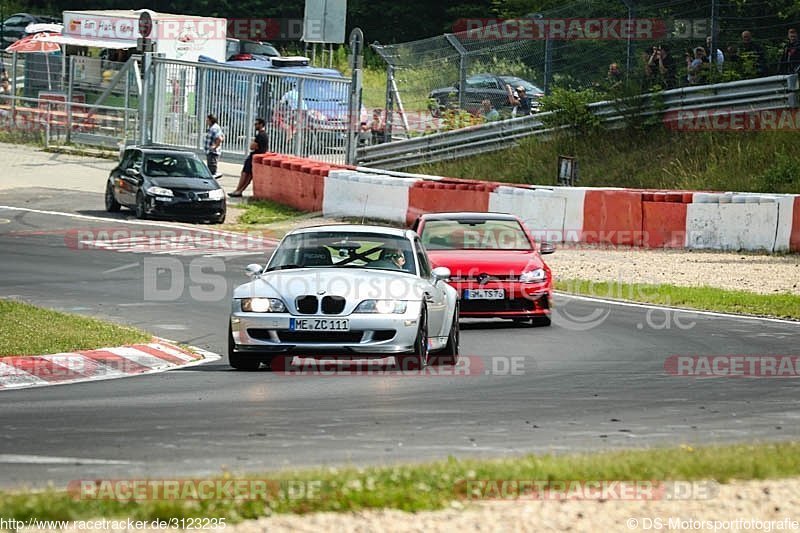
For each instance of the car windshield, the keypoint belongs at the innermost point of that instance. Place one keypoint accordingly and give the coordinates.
(262, 49)
(174, 165)
(474, 235)
(530, 88)
(341, 249)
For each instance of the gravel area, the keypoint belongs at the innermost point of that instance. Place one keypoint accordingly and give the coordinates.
(745, 501)
(766, 274)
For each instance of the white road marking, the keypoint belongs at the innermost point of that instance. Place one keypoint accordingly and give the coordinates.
(677, 309)
(140, 358)
(9, 458)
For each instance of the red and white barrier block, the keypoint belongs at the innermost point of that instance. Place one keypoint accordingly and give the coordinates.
(90, 365)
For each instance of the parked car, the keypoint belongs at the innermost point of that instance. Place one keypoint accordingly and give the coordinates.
(362, 291)
(495, 264)
(165, 182)
(13, 28)
(237, 47)
(480, 87)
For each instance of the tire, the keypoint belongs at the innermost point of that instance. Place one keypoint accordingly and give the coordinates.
(449, 356)
(419, 358)
(240, 361)
(112, 206)
(140, 209)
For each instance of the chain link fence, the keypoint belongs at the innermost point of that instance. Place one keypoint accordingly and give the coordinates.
(442, 82)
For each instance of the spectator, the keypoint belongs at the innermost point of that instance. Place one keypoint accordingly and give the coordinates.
(291, 105)
(754, 53)
(790, 58)
(257, 146)
(697, 67)
(718, 58)
(661, 69)
(489, 113)
(213, 143)
(5, 86)
(614, 76)
(520, 100)
(377, 127)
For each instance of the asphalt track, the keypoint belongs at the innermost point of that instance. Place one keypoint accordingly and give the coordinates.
(594, 380)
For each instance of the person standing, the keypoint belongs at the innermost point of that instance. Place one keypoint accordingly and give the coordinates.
(753, 53)
(790, 58)
(257, 146)
(213, 143)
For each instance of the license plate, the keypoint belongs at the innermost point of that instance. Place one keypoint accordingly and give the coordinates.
(318, 324)
(484, 294)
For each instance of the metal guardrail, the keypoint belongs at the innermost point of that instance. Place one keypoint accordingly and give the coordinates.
(773, 92)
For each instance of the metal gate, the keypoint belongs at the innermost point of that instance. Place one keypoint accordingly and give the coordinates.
(306, 114)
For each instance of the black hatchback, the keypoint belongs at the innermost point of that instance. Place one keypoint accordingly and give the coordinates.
(164, 182)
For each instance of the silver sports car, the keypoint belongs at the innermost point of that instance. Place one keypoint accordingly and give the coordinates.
(363, 291)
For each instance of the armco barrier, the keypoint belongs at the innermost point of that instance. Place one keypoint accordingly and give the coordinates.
(448, 195)
(350, 193)
(664, 219)
(612, 216)
(732, 222)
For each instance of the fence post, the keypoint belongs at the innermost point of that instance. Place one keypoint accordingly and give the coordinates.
(354, 98)
(69, 98)
(147, 58)
(462, 66)
(300, 121)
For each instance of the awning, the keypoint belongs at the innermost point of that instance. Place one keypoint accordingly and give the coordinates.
(95, 43)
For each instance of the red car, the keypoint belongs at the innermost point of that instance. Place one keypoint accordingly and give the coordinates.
(496, 265)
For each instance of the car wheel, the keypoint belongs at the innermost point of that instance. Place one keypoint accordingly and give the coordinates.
(240, 361)
(419, 358)
(450, 354)
(141, 210)
(112, 206)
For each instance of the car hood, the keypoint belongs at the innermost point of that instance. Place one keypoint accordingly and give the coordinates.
(354, 284)
(194, 184)
(492, 262)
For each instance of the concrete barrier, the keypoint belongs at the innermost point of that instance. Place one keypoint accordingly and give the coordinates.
(612, 216)
(350, 193)
(447, 195)
(664, 219)
(747, 223)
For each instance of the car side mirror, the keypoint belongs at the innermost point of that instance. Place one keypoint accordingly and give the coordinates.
(547, 247)
(132, 172)
(253, 270)
(441, 274)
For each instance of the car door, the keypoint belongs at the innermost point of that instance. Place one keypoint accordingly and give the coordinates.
(435, 296)
(14, 28)
(129, 185)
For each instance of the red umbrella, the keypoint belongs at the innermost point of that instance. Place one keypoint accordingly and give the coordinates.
(34, 43)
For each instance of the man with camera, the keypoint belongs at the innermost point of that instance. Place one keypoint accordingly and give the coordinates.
(660, 68)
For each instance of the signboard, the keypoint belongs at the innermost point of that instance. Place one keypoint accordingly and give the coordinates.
(324, 21)
(100, 27)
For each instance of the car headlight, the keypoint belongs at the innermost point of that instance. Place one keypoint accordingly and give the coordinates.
(159, 191)
(216, 194)
(384, 307)
(533, 276)
(263, 305)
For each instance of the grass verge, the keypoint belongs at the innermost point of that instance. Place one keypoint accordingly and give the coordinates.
(30, 330)
(427, 486)
(266, 212)
(656, 158)
(701, 298)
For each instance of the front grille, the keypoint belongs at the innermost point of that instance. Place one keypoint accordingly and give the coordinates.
(320, 337)
(517, 304)
(307, 304)
(333, 305)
